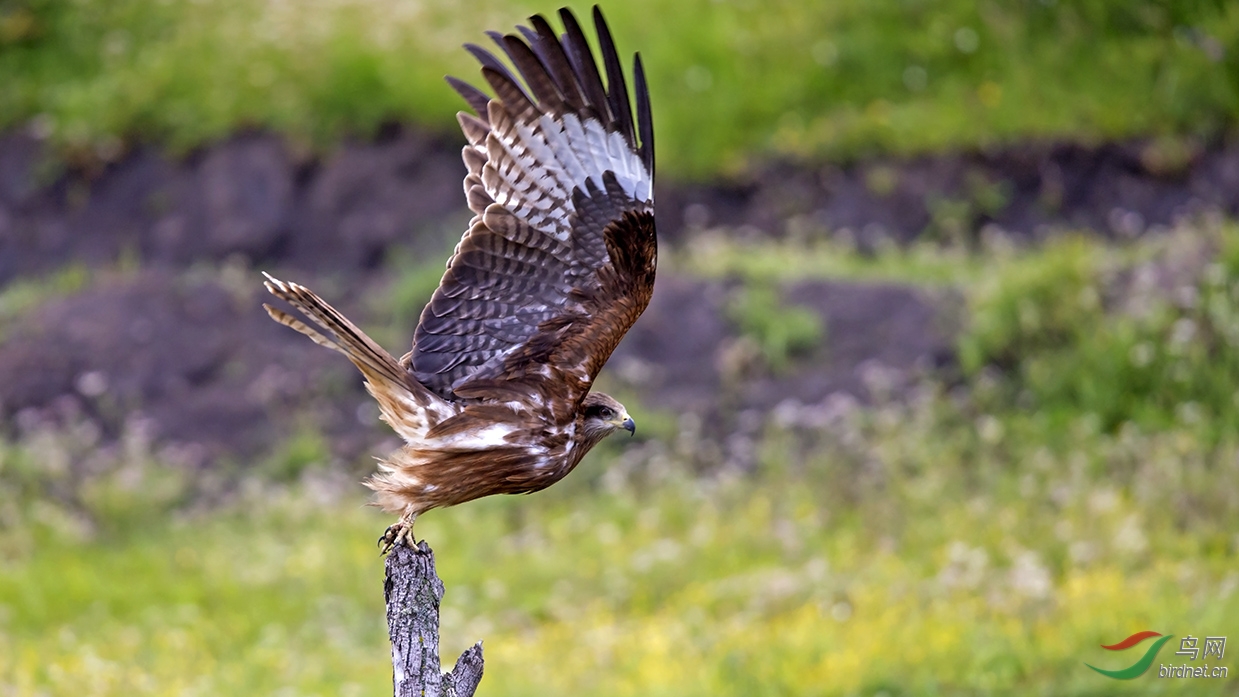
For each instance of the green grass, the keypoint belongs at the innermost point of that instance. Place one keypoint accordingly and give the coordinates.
(779, 331)
(1145, 334)
(718, 255)
(916, 549)
(980, 538)
(730, 80)
(986, 536)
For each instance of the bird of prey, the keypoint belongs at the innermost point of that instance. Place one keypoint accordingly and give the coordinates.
(555, 267)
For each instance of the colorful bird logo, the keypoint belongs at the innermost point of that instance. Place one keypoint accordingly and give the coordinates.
(1138, 668)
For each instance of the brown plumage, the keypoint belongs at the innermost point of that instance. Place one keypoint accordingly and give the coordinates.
(556, 265)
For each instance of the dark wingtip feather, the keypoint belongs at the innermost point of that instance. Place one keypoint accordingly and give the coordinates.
(531, 39)
(617, 86)
(582, 60)
(559, 72)
(537, 76)
(553, 54)
(501, 79)
(488, 60)
(475, 97)
(530, 35)
(645, 117)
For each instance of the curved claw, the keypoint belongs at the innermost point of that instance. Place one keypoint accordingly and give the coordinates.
(388, 539)
(400, 531)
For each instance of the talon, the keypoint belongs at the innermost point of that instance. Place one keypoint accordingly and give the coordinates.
(400, 531)
(388, 539)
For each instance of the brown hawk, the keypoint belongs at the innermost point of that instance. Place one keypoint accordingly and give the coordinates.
(556, 265)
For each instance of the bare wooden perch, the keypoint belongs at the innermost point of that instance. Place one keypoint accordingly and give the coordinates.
(413, 591)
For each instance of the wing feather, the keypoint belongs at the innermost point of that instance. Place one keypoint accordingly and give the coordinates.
(476, 98)
(576, 46)
(535, 73)
(559, 259)
(507, 89)
(474, 128)
(553, 56)
(645, 116)
(617, 88)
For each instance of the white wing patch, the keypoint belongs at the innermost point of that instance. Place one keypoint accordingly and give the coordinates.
(493, 436)
(410, 420)
(532, 168)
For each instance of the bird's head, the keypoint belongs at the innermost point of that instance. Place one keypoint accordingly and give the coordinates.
(603, 415)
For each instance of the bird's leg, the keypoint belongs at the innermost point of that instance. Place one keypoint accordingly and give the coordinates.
(401, 531)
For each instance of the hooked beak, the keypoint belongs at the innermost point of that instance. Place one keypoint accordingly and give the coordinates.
(630, 426)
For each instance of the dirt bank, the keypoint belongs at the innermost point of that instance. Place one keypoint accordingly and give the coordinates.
(177, 338)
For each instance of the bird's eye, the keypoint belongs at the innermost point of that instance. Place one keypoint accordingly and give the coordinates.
(606, 414)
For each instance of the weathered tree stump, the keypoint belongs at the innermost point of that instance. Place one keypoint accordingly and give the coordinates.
(413, 591)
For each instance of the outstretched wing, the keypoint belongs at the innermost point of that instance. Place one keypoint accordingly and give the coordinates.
(559, 259)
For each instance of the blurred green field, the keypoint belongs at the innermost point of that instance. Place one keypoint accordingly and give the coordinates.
(981, 535)
(731, 81)
(643, 582)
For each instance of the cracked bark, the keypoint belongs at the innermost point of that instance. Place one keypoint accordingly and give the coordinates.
(413, 591)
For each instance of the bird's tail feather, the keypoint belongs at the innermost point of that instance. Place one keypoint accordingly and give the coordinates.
(341, 334)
